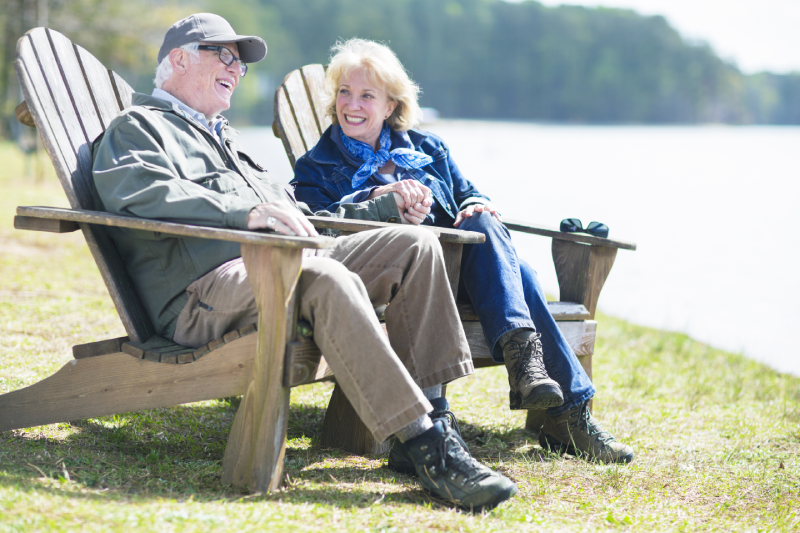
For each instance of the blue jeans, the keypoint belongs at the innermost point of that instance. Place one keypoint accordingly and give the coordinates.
(506, 294)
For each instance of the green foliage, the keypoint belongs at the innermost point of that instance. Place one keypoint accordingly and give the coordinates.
(488, 59)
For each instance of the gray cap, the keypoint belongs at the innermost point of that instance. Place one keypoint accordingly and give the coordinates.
(211, 28)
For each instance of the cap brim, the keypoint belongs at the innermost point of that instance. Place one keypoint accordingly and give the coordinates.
(252, 49)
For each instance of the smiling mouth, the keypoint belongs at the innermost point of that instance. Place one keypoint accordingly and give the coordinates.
(354, 120)
(228, 85)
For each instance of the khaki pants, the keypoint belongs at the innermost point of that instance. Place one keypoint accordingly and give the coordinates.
(402, 267)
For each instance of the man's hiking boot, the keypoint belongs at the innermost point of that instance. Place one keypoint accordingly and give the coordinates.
(576, 432)
(450, 473)
(399, 461)
(531, 387)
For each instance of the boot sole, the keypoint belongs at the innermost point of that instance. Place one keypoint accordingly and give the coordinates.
(499, 498)
(542, 397)
(550, 443)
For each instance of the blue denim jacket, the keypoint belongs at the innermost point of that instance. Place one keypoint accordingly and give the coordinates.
(323, 176)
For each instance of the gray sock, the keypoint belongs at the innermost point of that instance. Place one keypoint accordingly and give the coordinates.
(434, 392)
(415, 428)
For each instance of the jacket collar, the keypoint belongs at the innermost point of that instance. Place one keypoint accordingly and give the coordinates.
(331, 151)
(151, 102)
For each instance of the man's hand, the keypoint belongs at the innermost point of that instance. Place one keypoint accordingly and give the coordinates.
(476, 208)
(282, 218)
(414, 200)
(415, 214)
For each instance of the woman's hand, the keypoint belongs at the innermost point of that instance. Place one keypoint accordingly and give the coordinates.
(412, 191)
(282, 218)
(416, 213)
(476, 208)
(414, 200)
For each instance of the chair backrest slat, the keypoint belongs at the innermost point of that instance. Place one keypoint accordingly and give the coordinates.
(70, 111)
(289, 132)
(123, 91)
(314, 78)
(302, 108)
(300, 117)
(100, 88)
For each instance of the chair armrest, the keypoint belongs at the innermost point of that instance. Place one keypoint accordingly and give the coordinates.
(354, 226)
(536, 229)
(184, 230)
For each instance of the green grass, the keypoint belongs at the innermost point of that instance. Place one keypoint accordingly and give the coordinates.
(717, 436)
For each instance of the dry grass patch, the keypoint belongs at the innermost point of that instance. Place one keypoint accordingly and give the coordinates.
(716, 436)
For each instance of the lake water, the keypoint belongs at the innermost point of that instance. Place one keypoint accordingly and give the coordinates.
(711, 209)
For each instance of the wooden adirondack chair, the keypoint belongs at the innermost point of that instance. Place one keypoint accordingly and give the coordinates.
(582, 262)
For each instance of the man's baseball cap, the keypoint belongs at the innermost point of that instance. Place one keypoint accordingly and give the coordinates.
(211, 28)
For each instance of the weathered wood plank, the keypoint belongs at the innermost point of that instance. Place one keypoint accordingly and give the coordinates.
(75, 83)
(559, 310)
(66, 111)
(582, 271)
(240, 236)
(256, 446)
(94, 349)
(48, 122)
(452, 262)
(354, 226)
(286, 127)
(123, 91)
(579, 335)
(305, 364)
(302, 108)
(343, 429)
(314, 78)
(118, 383)
(102, 91)
(42, 224)
(555, 233)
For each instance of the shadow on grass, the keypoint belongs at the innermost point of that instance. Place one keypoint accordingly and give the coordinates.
(177, 453)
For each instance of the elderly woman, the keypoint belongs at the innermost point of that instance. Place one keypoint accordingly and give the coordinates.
(372, 150)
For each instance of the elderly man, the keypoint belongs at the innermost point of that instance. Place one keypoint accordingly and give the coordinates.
(172, 156)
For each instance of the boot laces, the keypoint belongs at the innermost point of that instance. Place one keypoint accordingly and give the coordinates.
(529, 357)
(449, 416)
(452, 455)
(592, 427)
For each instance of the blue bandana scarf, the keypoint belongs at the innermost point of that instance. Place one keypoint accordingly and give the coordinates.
(373, 161)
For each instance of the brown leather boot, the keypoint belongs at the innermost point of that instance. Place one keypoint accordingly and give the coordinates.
(576, 432)
(531, 387)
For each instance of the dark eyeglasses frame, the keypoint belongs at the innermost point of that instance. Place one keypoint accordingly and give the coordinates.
(574, 225)
(218, 48)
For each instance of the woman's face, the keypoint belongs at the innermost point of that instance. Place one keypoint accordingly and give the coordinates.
(361, 108)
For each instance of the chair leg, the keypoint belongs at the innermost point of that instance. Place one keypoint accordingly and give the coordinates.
(343, 428)
(257, 443)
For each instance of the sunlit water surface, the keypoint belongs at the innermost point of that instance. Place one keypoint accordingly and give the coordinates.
(711, 209)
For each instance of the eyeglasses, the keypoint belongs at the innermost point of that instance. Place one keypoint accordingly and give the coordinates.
(573, 225)
(226, 56)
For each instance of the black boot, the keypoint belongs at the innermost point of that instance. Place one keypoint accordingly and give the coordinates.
(449, 472)
(399, 461)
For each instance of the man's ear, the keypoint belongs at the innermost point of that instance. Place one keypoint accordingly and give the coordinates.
(179, 59)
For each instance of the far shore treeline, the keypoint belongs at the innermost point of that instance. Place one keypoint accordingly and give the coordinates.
(484, 59)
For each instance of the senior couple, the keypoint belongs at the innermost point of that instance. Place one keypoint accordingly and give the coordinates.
(172, 156)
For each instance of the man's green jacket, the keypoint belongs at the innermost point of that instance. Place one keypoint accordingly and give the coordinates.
(155, 161)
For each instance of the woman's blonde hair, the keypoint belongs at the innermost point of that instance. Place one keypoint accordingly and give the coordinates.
(382, 68)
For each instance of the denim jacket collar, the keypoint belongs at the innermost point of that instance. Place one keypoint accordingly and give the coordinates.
(331, 151)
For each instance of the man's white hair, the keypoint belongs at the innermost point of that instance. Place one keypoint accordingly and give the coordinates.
(164, 70)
